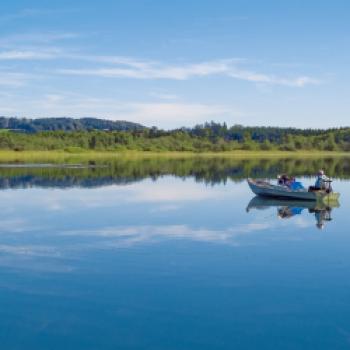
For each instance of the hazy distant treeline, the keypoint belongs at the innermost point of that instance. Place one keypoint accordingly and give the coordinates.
(66, 124)
(208, 137)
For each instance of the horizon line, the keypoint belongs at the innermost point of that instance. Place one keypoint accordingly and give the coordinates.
(182, 127)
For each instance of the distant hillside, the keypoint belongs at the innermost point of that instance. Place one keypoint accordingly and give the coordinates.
(67, 124)
(98, 134)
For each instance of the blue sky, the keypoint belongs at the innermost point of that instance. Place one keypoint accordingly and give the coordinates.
(175, 63)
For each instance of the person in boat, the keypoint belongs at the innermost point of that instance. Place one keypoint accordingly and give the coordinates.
(285, 180)
(282, 179)
(322, 181)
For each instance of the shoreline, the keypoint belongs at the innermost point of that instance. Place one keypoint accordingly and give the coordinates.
(57, 155)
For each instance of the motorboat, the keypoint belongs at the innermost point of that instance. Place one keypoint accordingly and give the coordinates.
(266, 189)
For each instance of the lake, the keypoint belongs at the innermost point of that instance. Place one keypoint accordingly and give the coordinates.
(171, 254)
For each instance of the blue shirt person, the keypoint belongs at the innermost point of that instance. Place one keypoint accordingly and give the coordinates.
(321, 180)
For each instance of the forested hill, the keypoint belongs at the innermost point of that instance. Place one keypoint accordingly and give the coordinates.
(98, 134)
(67, 124)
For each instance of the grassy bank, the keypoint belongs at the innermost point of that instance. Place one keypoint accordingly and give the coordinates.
(66, 156)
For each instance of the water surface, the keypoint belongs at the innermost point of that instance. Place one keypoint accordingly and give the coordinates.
(171, 254)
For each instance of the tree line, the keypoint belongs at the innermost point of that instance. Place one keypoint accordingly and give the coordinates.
(66, 124)
(208, 137)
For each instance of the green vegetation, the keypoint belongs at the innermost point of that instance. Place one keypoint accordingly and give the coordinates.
(211, 137)
(86, 156)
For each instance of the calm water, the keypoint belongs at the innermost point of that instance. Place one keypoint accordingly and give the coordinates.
(170, 254)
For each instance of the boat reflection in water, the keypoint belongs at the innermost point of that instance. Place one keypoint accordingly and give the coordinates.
(288, 208)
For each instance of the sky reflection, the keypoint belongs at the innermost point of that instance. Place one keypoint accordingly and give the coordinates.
(125, 265)
(63, 224)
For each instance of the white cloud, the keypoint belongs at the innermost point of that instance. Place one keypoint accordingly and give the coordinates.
(165, 192)
(179, 114)
(162, 192)
(36, 40)
(13, 79)
(131, 235)
(30, 250)
(270, 79)
(28, 55)
(162, 114)
(138, 69)
(31, 46)
(164, 95)
(52, 99)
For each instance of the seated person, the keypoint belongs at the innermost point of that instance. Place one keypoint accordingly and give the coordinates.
(321, 181)
(282, 179)
(285, 180)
